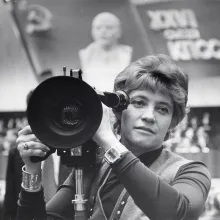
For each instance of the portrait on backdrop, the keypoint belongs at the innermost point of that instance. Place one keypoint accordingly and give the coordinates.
(105, 57)
(98, 37)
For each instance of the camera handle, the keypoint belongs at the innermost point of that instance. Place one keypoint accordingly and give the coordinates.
(79, 201)
(36, 159)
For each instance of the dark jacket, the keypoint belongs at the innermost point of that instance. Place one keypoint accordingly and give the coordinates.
(13, 184)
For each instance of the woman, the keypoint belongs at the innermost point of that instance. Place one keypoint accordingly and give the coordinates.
(141, 179)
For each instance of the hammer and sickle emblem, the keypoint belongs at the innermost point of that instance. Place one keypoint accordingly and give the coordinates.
(38, 19)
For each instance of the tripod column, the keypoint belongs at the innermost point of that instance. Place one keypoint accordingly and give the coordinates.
(79, 201)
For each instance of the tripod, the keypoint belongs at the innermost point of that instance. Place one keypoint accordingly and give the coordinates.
(80, 157)
(79, 201)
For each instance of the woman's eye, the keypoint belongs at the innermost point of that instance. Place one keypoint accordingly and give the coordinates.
(138, 103)
(163, 110)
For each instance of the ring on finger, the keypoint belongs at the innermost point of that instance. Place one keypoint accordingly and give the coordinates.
(25, 146)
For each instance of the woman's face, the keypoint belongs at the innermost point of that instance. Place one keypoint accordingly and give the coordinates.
(146, 121)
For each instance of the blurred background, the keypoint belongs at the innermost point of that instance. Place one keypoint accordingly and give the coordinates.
(39, 37)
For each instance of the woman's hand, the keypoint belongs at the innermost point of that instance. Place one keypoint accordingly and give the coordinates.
(35, 148)
(105, 136)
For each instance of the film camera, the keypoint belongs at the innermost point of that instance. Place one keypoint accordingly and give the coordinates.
(64, 113)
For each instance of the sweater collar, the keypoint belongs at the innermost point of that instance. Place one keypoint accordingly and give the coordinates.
(149, 157)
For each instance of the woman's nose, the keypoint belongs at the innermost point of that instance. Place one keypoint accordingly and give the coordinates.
(148, 114)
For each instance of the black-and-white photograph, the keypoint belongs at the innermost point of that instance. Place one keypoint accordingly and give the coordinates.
(109, 109)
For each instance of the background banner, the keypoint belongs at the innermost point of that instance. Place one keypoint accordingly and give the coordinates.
(186, 30)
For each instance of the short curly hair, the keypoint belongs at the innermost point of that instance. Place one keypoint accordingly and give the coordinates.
(155, 73)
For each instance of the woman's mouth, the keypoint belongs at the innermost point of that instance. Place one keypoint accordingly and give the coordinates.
(145, 129)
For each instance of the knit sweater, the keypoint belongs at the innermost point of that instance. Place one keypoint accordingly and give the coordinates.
(166, 167)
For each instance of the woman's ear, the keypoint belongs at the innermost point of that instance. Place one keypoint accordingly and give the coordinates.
(173, 123)
(168, 135)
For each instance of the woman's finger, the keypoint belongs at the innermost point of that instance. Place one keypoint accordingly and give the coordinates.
(26, 130)
(26, 138)
(32, 145)
(32, 152)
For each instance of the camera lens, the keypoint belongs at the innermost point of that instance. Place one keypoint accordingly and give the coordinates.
(71, 115)
(68, 114)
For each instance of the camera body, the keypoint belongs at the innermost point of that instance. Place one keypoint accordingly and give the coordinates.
(64, 113)
(84, 156)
